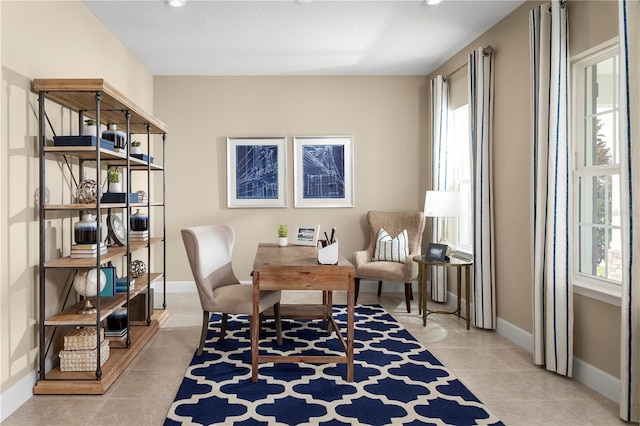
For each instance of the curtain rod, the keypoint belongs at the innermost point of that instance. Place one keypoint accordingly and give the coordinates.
(486, 51)
(454, 71)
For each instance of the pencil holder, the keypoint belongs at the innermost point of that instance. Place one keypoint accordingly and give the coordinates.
(328, 255)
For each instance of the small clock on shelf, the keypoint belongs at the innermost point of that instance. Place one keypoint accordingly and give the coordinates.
(117, 230)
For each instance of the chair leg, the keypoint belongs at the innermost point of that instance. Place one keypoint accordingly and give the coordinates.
(407, 296)
(276, 314)
(223, 327)
(203, 334)
(379, 288)
(357, 289)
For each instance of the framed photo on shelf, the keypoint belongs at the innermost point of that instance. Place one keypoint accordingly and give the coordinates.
(323, 171)
(436, 252)
(256, 172)
(306, 235)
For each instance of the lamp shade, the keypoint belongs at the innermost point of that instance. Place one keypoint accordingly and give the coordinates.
(443, 204)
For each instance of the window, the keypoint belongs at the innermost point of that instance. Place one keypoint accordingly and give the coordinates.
(459, 152)
(596, 177)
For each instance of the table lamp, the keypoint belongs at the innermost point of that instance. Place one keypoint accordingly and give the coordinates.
(444, 204)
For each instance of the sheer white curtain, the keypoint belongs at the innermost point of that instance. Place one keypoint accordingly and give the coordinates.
(629, 18)
(481, 84)
(439, 170)
(553, 294)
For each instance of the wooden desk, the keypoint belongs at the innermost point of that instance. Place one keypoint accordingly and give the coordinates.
(424, 273)
(297, 268)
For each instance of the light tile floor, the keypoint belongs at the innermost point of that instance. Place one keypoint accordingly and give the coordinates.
(498, 372)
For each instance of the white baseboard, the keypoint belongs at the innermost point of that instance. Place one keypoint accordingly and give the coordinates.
(16, 395)
(176, 287)
(598, 380)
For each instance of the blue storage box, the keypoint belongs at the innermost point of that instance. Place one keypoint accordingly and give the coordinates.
(81, 141)
(119, 197)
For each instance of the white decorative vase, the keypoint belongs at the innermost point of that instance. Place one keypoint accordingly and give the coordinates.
(283, 241)
(136, 150)
(115, 186)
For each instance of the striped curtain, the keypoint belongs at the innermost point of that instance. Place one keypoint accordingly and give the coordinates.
(481, 84)
(553, 294)
(629, 18)
(439, 170)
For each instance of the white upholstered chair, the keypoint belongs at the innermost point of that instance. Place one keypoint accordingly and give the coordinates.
(394, 223)
(209, 249)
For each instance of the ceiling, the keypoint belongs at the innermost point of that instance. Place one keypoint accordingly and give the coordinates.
(297, 37)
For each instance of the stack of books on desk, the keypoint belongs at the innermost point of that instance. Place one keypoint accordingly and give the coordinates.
(139, 235)
(87, 251)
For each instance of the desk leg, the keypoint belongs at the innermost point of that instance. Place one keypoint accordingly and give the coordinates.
(350, 326)
(329, 310)
(255, 327)
(467, 284)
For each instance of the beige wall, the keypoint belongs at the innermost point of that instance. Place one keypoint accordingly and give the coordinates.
(386, 116)
(597, 325)
(44, 39)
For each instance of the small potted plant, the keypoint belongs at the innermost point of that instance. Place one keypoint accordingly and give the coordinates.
(90, 127)
(115, 185)
(136, 148)
(283, 230)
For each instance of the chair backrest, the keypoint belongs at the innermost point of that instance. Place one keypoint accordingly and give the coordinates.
(394, 223)
(209, 249)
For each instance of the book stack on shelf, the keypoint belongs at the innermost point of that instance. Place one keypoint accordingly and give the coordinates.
(87, 251)
(79, 353)
(117, 325)
(139, 235)
(116, 335)
(121, 284)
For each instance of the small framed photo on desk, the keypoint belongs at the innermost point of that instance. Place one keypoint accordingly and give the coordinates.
(306, 235)
(436, 252)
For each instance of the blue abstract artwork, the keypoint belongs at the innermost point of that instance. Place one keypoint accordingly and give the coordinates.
(257, 172)
(323, 171)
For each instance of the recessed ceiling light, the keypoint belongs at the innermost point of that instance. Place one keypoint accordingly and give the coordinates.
(176, 3)
(433, 2)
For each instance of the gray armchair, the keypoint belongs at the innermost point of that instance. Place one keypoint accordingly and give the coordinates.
(394, 223)
(209, 249)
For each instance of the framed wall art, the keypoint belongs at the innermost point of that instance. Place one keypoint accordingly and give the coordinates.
(256, 172)
(323, 171)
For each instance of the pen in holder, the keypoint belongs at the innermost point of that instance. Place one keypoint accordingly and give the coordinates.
(328, 255)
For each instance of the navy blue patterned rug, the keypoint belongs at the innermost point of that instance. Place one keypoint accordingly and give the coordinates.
(397, 381)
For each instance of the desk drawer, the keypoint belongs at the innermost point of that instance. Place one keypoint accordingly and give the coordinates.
(302, 280)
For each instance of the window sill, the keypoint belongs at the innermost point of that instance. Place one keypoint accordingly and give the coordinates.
(605, 292)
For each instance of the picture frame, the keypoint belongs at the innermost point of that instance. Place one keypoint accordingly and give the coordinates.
(256, 172)
(306, 235)
(436, 252)
(323, 171)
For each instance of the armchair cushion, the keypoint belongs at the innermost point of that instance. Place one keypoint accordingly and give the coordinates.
(391, 249)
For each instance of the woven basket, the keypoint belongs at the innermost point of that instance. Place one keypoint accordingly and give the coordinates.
(82, 339)
(83, 360)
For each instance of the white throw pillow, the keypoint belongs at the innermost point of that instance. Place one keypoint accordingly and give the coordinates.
(391, 249)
